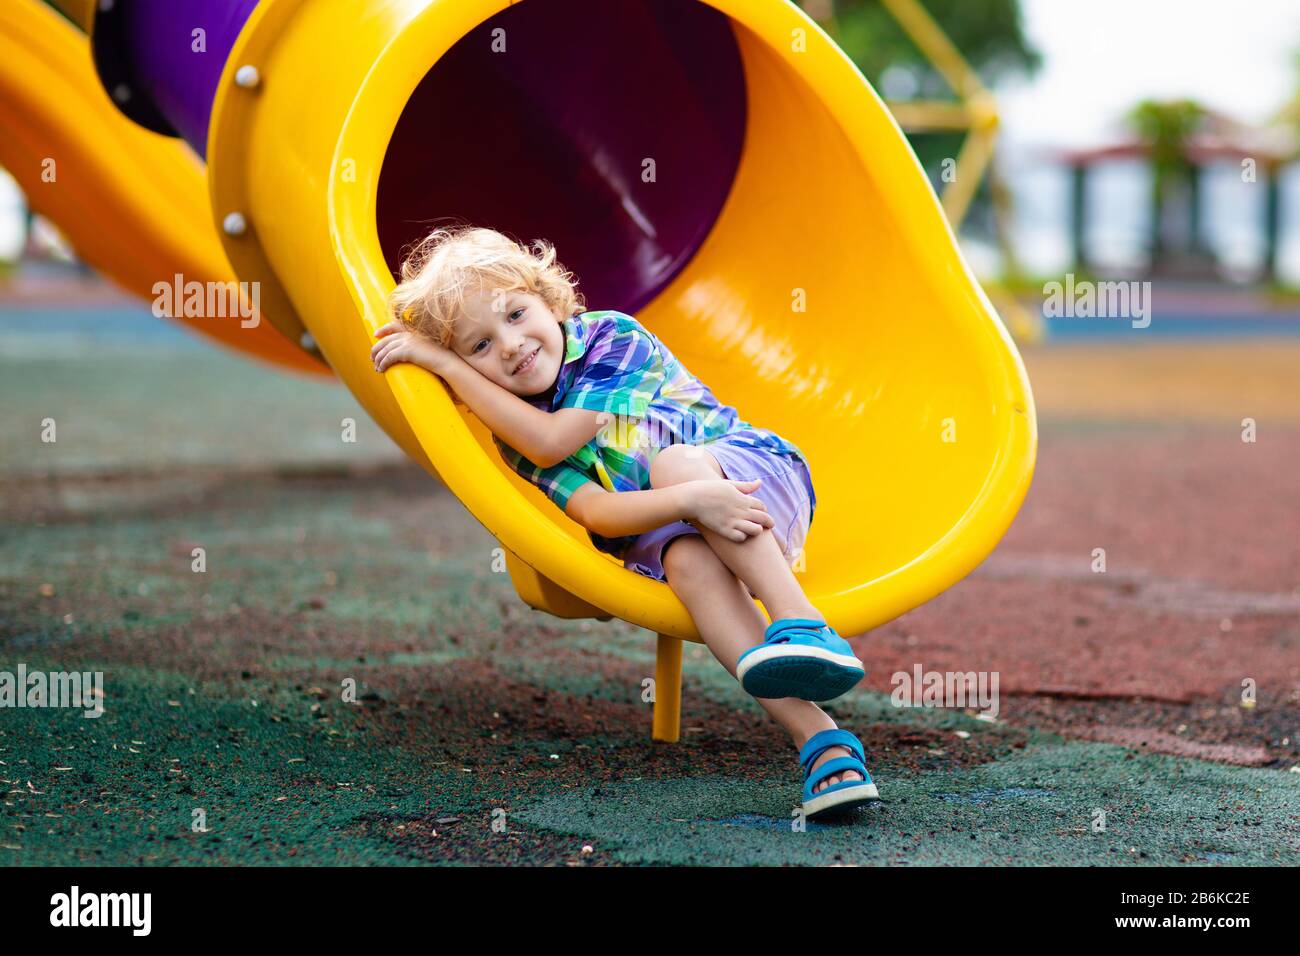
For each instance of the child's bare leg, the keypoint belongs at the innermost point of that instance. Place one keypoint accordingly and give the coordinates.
(731, 623)
(759, 563)
(757, 560)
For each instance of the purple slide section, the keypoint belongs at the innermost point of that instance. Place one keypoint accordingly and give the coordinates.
(152, 51)
(613, 130)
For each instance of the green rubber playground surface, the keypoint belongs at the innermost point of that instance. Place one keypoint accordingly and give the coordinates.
(350, 682)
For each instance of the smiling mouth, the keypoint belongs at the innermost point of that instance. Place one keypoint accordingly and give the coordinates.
(527, 363)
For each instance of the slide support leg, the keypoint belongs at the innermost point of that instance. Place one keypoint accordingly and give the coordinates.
(668, 690)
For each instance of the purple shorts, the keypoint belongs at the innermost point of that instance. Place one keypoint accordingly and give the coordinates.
(786, 492)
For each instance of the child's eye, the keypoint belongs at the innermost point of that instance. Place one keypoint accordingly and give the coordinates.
(515, 312)
(476, 348)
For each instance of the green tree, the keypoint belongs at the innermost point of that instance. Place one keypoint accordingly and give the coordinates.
(1164, 127)
(987, 32)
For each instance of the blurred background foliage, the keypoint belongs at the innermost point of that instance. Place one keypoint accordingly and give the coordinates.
(989, 34)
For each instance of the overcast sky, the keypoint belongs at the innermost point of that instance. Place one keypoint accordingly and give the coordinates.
(1101, 56)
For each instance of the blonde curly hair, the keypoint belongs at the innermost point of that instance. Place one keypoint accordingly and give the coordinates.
(453, 261)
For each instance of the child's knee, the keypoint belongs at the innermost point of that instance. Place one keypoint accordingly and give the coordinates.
(689, 558)
(678, 463)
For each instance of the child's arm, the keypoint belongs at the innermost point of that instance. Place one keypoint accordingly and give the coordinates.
(719, 504)
(544, 438)
(620, 513)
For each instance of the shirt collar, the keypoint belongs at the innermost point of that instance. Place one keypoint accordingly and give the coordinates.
(575, 346)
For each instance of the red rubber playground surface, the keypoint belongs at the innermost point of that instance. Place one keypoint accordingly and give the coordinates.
(1147, 713)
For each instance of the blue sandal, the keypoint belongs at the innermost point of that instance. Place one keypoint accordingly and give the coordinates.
(838, 797)
(799, 658)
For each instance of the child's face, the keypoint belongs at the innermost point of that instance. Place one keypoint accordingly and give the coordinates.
(500, 333)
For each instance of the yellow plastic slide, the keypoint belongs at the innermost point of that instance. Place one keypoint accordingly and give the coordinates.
(720, 169)
(132, 203)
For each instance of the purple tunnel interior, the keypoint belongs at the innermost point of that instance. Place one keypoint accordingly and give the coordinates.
(613, 130)
(161, 60)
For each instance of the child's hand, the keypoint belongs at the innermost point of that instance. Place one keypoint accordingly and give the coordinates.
(727, 507)
(397, 344)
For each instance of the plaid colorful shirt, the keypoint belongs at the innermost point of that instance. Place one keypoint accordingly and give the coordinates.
(612, 363)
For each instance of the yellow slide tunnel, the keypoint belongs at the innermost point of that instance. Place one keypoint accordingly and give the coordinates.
(720, 169)
(826, 299)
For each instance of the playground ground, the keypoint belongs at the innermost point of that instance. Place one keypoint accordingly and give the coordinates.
(1120, 692)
